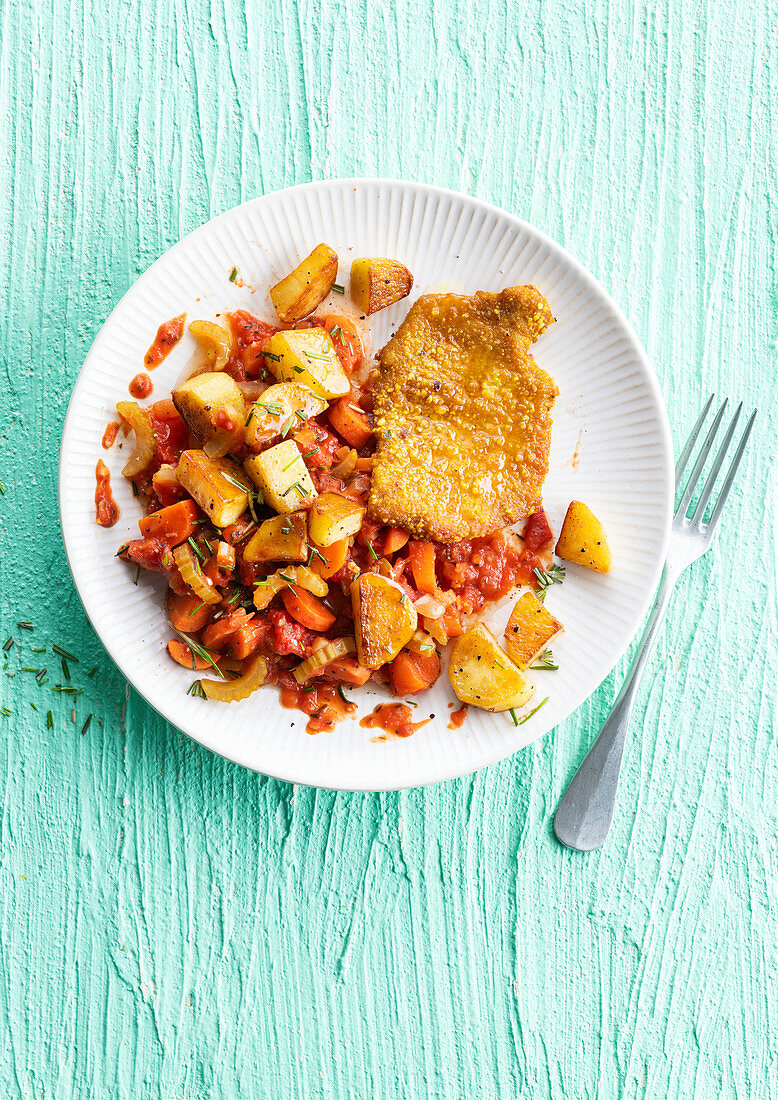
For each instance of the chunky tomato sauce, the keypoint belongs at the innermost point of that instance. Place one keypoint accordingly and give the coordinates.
(321, 700)
(107, 508)
(166, 339)
(141, 386)
(396, 719)
(109, 435)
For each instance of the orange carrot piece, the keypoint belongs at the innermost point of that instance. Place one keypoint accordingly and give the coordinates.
(335, 558)
(306, 609)
(350, 422)
(421, 556)
(217, 634)
(175, 524)
(394, 540)
(410, 673)
(183, 655)
(187, 613)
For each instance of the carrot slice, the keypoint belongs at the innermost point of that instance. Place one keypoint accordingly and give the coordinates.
(306, 609)
(347, 670)
(187, 613)
(410, 673)
(175, 524)
(247, 639)
(351, 422)
(183, 655)
(335, 556)
(216, 635)
(421, 556)
(394, 540)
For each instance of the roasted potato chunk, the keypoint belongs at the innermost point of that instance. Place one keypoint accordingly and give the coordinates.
(282, 476)
(307, 356)
(483, 675)
(583, 540)
(270, 415)
(214, 410)
(377, 282)
(214, 484)
(384, 617)
(282, 538)
(333, 518)
(214, 341)
(311, 281)
(529, 630)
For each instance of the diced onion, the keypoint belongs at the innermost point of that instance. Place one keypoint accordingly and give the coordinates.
(232, 691)
(430, 607)
(214, 341)
(138, 421)
(189, 567)
(421, 642)
(345, 468)
(322, 657)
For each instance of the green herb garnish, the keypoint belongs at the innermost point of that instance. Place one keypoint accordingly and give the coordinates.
(198, 651)
(86, 724)
(373, 554)
(535, 711)
(196, 689)
(338, 288)
(49, 721)
(544, 662)
(8, 645)
(342, 694)
(233, 274)
(270, 355)
(25, 626)
(237, 484)
(64, 653)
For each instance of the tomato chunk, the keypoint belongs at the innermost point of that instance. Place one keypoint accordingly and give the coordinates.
(537, 531)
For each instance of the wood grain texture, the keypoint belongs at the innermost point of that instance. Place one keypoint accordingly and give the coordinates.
(173, 926)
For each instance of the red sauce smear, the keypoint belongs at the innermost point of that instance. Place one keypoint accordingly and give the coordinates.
(140, 387)
(109, 435)
(107, 508)
(458, 718)
(394, 718)
(323, 702)
(166, 339)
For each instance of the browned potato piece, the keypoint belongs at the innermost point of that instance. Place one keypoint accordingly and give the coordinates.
(583, 540)
(529, 630)
(283, 538)
(214, 484)
(384, 617)
(311, 281)
(483, 675)
(277, 408)
(377, 282)
(214, 410)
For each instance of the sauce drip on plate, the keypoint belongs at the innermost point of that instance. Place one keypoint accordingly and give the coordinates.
(322, 701)
(166, 339)
(458, 717)
(395, 719)
(141, 386)
(107, 508)
(109, 435)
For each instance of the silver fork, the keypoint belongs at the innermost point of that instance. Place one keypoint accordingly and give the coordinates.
(585, 811)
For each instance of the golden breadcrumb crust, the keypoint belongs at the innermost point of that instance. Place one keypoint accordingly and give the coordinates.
(463, 415)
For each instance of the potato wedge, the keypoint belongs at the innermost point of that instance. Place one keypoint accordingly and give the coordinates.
(214, 410)
(378, 282)
(311, 281)
(282, 476)
(333, 518)
(214, 341)
(307, 356)
(483, 675)
(282, 538)
(214, 484)
(270, 415)
(384, 617)
(529, 630)
(583, 539)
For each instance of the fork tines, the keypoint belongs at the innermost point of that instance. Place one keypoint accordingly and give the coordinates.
(705, 450)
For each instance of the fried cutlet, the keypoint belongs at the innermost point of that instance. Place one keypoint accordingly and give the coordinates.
(463, 415)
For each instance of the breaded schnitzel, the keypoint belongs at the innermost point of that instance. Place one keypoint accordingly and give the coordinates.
(462, 413)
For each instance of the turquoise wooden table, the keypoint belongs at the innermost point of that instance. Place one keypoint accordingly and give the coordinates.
(174, 926)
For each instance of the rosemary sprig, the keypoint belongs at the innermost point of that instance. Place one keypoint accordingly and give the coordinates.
(270, 355)
(196, 689)
(25, 626)
(237, 484)
(198, 650)
(544, 662)
(555, 574)
(64, 653)
(527, 717)
(272, 408)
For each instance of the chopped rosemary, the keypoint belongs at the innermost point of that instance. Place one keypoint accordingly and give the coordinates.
(5, 711)
(237, 484)
(535, 711)
(136, 578)
(298, 369)
(233, 274)
(25, 626)
(64, 653)
(308, 454)
(337, 332)
(342, 694)
(276, 410)
(198, 651)
(544, 662)
(270, 355)
(248, 418)
(65, 669)
(500, 665)
(8, 645)
(315, 355)
(338, 288)
(196, 608)
(196, 689)
(373, 554)
(86, 724)
(91, 672)
(411, 703)
(300, 415)
(40, 676)
(49, 721)
(33, 705)
(35, 670)
(512, 713)
(41, 650)
(2, 488)
(285, 430)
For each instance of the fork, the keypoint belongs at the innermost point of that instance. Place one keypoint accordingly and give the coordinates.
(585, 811)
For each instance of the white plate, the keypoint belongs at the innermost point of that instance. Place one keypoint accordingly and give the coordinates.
(611, 447)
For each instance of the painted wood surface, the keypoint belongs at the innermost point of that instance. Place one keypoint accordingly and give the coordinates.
(173, 926)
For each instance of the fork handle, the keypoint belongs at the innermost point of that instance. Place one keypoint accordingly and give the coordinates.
(585, 811)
